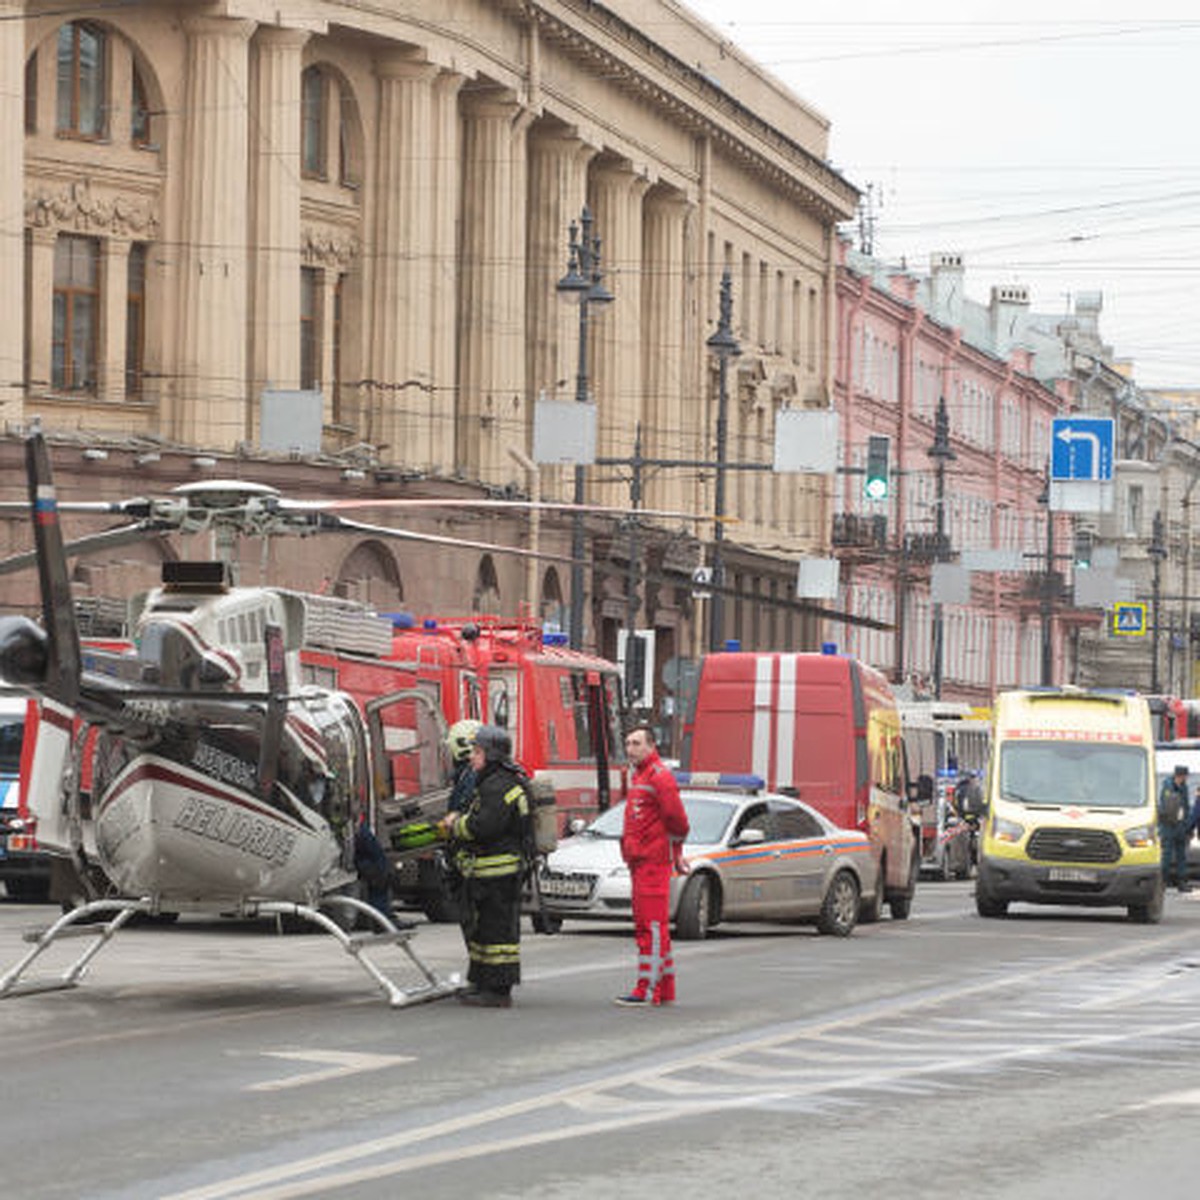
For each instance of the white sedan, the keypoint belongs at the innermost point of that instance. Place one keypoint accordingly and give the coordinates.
(753, 857)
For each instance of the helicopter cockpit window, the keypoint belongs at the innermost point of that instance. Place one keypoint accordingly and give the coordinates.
(171, 660)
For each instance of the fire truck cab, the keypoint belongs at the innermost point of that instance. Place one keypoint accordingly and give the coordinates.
(823, 727)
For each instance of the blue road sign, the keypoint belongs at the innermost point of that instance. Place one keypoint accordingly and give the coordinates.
(1129, 619)
(1082, 449)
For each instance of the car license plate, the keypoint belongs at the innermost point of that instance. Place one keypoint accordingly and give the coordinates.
(566, 887)
(1072, 875)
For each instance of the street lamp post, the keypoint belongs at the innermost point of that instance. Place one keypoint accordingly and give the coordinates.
(583, 284)
(941, 452)
(1048, 590)
(1157, 551)
(725, 346)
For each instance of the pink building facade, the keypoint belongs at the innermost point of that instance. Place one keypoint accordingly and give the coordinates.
(904, 344)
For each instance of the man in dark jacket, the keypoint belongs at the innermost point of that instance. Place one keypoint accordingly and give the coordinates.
(489, 838)
(1174, 825)
(655, 826)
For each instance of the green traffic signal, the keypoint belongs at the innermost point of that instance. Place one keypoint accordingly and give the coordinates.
(875, 486)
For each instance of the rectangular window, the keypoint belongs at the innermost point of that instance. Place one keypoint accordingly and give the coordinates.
(139, 114)
(76, 313)
(336, 334)
(1133, 510)
(310, 328)
(135, 322)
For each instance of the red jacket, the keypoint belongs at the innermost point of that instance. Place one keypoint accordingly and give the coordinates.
(654, 815)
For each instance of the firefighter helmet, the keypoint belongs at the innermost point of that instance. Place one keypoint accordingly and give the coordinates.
(459, 738)
(495, 742)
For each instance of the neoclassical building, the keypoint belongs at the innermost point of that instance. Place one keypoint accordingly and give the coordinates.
(203, 202)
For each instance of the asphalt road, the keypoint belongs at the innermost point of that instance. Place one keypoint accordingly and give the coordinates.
(1050, 1054)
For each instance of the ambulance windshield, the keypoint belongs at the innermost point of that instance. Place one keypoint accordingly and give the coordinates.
(1088, 774)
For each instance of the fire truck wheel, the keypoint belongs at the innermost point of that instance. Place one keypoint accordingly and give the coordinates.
(839, 911)
(695, 910)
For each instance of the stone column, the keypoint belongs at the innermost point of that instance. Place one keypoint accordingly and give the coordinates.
(491, 373)
(616, 376)
(401, 346)
(446, 181)
(41, 305)
(275, 235)
(12, 204)
(208, 402)
(114, 280)
(557, 193)
(663, 322)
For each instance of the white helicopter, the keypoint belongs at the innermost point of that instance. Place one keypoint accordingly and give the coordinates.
(217, 781)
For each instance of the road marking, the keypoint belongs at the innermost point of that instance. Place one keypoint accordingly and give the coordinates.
(338, 1065)
(666, 1095)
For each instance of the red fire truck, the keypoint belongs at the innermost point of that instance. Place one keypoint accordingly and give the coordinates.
(824, 727)
(561, 707)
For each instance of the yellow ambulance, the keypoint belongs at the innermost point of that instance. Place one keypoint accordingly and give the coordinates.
(1071, 813)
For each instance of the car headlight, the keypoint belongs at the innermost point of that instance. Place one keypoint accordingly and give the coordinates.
(1007, 831)
(1140, 837)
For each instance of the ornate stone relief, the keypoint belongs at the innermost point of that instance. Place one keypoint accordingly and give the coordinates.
(77, 207)
(329, 247)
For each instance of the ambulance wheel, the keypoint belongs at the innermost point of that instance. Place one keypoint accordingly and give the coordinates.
(839, 911)
(1149, 913)
(28, 891)
(544, 923)
(986, 905)
(695, 910)
(871, 910)
(901, 902)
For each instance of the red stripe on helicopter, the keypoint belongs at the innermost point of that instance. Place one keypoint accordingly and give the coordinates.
(160, 773)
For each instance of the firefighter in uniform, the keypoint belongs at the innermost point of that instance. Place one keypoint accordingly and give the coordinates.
(651, 844)
(489, 838)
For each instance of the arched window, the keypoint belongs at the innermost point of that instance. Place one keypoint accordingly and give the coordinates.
(139, 111)
(552, 610)
(370, 575)
(487, 588)
(314, 127)
(82, 81)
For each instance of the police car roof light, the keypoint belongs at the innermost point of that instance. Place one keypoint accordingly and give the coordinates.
(712, 779)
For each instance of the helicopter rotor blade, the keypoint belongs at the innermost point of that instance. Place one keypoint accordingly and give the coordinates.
(424, 502)
(335, 523)
(85, 545)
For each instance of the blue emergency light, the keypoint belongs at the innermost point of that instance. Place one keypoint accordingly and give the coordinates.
(711, 779)
(555, 639)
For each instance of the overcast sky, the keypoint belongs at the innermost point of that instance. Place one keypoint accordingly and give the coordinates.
(1060, 152)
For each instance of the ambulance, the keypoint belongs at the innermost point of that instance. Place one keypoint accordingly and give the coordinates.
(821, 726)
(1070, 804)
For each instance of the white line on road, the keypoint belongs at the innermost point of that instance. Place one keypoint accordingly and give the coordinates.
(338, 1064)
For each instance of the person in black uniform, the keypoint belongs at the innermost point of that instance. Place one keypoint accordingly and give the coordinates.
(489, 840)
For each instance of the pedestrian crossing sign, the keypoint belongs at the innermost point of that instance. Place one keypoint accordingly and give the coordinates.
(1129, 619)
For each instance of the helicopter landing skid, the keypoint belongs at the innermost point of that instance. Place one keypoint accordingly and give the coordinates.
(80, 922)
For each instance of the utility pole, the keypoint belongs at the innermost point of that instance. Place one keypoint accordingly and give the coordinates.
(941, 452)
(1049, 583)
(1157, 551)
(725, 346)
(583, 284)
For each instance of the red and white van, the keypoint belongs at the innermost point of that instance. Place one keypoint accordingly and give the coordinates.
(823, 727)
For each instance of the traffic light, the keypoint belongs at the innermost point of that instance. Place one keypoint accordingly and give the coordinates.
(875, 486)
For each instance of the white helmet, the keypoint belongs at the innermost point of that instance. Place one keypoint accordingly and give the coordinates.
(461, 737)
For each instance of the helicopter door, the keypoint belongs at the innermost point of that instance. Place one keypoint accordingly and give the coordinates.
(410, 762)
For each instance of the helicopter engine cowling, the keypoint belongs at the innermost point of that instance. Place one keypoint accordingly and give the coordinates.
(24, 652)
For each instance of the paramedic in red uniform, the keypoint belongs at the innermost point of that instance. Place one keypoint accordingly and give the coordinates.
(651, 844)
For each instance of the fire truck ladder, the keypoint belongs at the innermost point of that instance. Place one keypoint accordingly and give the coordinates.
(82, 922)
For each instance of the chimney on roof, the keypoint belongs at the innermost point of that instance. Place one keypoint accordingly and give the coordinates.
(946, 278)
(1008, 312)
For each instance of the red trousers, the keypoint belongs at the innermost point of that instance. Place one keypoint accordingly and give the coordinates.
(652, 929)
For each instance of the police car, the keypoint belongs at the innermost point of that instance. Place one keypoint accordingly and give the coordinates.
(754, 856)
